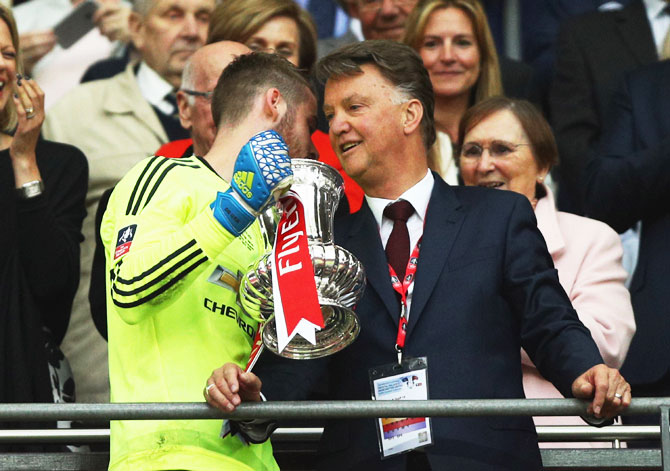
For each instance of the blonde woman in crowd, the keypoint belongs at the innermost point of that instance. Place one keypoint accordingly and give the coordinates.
(455, 43)
(42, 188)
(279, 26)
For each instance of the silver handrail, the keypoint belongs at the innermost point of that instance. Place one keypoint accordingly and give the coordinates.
(552, 458)
(314, 409)
(554, 433)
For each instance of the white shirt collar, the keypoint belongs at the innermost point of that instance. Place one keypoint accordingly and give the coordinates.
(154, 88)
(654, 7)
(418, 196)
(659, 20)
(356, 28)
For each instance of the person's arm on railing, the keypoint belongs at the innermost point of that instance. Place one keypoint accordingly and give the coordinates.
(230, 385)
(609, 390)
(227, 388)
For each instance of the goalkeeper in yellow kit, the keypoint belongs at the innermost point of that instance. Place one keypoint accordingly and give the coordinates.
(178, 236)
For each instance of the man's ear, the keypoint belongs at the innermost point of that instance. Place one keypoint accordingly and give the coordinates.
(184, 110)
(136, 27)
(412, 115)
(274, 105)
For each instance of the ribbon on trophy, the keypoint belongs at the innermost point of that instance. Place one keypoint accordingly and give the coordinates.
(296, 301)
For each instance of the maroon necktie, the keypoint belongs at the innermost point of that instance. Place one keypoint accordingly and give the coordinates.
(397, 247)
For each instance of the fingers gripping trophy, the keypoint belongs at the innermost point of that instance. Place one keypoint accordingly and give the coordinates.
(306, 303)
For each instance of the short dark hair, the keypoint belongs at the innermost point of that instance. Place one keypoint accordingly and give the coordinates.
(540, 136)
(396, 62)
(250, 74)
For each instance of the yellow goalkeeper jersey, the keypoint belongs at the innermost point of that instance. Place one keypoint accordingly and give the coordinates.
(172, 313)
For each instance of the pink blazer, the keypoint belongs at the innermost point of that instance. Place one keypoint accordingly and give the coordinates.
(587, 255)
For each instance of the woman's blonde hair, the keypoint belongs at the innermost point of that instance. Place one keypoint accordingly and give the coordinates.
(8, 114)
(238, 20)
(489, 82)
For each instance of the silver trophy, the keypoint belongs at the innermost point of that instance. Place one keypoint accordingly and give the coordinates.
(339, 276)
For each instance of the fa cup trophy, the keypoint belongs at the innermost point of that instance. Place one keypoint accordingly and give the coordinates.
(338, 275)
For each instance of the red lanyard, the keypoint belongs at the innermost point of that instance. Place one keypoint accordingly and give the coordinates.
(402, 289)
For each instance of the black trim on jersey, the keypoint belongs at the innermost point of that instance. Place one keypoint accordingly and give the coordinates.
(146, 185)
(148, 180)
(167, 259)
(162, 289)
(206, 164)
(159, 278)
(137, 183)
(160, 180)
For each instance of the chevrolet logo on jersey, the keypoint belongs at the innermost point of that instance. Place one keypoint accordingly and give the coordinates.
(244, 180)
(223, 277)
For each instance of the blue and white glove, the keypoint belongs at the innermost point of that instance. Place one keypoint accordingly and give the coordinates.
(262, 173)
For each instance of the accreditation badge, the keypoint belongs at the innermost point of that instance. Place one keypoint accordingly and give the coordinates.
(405, 381)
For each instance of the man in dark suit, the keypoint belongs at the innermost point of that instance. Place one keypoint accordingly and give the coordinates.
(485, 286)
(628, 180)
(593, 53)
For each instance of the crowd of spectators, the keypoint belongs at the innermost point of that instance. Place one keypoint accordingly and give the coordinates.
(578, 126)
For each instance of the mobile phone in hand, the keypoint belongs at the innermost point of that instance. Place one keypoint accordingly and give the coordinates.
(75, 25)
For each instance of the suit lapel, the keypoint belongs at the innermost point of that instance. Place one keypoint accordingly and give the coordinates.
(443, 222)
(362, 239)
(635, 31)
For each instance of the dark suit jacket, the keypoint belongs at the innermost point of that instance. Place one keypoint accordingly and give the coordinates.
(627, 181)
(517, 79)
(594, 52)
(485, 286)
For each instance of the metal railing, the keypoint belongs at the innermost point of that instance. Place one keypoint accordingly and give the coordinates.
(314, 409)
(555, 433)
(553, 459)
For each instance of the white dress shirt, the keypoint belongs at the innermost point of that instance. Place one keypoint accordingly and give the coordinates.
(448, 169)
(659, 19)
(154, 88)
(418, 196)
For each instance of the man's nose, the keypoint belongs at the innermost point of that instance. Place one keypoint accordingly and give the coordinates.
(388, 8)
(338, 124)
(190, 26)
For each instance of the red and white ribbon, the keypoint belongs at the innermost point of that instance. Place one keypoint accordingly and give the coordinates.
(296, 301)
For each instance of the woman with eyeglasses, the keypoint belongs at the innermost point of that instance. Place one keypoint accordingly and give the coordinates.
(508, 145)
(455, 43)
(279, 26)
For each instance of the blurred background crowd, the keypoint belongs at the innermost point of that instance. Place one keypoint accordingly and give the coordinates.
(585, 82)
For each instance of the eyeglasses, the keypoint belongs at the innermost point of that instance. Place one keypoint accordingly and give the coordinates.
(497, 150)
(205, 95)
(376, 5)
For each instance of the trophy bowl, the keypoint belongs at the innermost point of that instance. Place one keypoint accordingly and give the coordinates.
(339, 276)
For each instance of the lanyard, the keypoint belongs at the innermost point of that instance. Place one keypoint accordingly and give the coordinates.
(402, 288)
